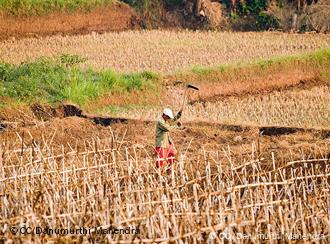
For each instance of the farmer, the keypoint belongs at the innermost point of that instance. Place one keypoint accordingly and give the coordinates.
(165, 151)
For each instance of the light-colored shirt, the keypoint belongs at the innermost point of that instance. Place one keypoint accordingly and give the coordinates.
(163, 129)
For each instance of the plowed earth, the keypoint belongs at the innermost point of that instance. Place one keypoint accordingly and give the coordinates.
(43, 126)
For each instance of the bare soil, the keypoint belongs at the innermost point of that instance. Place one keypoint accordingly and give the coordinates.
(68, 126)
(118, 17)
(32, 126)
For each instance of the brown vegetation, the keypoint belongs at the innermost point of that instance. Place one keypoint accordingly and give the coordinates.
(230, 182)
(163, 51)
(239, 190)
(253, 158)
(209, 14)
(299, 15)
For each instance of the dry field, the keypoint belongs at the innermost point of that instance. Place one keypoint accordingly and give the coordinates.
(163, 51)
(253, 162)
(301, 108)
(231, 182)
(274, 189)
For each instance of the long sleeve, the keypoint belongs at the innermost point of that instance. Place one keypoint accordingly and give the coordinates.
(167, 127)
(163, 130)
(177, 116)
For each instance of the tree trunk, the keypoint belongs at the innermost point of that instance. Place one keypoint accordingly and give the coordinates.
(198, 6)
(294, 22)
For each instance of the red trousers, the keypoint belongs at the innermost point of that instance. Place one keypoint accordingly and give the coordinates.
(164, 155)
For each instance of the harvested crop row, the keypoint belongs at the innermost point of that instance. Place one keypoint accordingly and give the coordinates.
(163, 51)
(299, 108)
(216, 198)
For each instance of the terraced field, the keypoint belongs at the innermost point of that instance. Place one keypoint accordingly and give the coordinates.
(253, 152)
(163, 51)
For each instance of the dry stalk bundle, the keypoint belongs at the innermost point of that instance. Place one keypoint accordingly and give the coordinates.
(216, 199)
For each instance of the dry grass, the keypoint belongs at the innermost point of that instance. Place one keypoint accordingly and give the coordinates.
(300, 108)
(258, 77)
(163, 51)
(215, 83)
(209, 197)
(296, 108)
(81, 180)
(280, 92)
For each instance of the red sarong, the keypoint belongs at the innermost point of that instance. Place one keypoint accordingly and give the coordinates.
(164, 155)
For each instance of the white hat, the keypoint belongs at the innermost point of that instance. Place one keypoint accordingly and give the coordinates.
(168, 112)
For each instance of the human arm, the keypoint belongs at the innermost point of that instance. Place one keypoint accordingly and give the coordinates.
(178, 115)
(166, 127)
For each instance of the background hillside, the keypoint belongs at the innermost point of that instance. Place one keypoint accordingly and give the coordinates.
(287, 15)
(109, 15)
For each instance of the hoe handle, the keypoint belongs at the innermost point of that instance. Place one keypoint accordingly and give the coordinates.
(185, 94)
(184, 99)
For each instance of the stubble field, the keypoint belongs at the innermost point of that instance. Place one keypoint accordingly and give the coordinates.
(163, 51)
(253, 162)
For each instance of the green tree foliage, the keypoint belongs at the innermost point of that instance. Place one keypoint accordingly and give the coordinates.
(173, 3)
(138, 4)
(265, 21)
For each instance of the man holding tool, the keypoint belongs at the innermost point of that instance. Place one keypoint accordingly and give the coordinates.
(165, 151)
